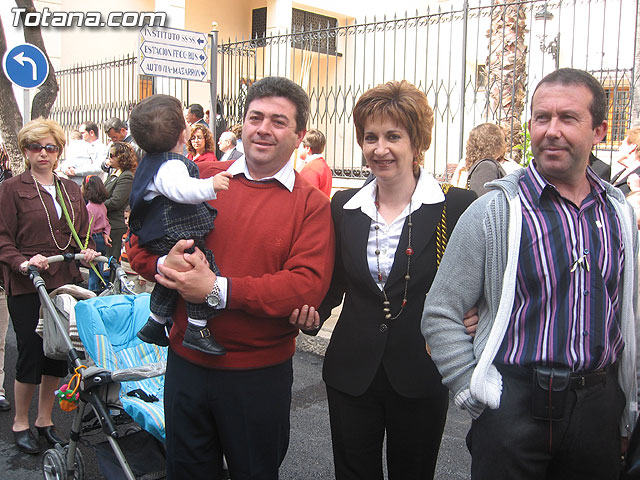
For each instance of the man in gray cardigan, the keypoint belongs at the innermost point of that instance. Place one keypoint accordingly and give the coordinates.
(549, 257)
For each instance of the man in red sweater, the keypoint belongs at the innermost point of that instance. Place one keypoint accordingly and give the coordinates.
(315, 170)
(274, 246)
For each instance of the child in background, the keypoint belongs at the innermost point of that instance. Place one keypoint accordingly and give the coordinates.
(95, 194)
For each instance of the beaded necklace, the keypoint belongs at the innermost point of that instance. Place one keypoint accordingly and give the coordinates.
(386, 305)
(73, 213)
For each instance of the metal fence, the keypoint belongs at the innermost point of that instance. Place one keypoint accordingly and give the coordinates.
(97, 92)
(476, 63)
(472, 62)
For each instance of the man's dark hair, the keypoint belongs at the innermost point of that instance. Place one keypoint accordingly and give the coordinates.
(114, 123)
(157, 123)
(285, 88)
(573, 76)
(91, 127)
(197, 110)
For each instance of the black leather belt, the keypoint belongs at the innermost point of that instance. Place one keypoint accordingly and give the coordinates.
(578, 380)
(587, 379)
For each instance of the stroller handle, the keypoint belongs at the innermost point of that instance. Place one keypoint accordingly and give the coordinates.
(70, 257)
(120, 274)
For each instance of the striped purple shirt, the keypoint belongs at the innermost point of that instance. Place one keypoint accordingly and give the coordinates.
(566, 310)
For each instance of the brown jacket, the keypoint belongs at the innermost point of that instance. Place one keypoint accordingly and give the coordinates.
(25, 232)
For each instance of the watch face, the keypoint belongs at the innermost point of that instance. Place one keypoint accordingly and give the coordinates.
(213, 300)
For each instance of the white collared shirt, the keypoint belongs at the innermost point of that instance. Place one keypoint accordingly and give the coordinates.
(427, 192)
(286, 175)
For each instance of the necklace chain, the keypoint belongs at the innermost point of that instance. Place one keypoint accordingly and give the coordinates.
(386, 305)
(73, 213)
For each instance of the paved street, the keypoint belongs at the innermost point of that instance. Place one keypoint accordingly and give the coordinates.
(309, 455)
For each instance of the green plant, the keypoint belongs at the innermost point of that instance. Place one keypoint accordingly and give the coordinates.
(525, 147)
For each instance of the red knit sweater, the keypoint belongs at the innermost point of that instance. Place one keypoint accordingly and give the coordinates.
(277, 249)
(318, 174)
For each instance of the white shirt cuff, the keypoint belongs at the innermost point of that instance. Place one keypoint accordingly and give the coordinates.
(160, 262)
(223, 285)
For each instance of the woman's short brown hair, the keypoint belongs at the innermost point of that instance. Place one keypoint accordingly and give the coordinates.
(402, 103)
(209, 145)
(36, 130)
(485, 141)
(125, 155)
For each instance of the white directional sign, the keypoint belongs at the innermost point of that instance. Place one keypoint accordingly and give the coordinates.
(164, 68)
(170, 52)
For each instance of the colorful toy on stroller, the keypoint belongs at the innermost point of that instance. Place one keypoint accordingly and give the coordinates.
(128, 375)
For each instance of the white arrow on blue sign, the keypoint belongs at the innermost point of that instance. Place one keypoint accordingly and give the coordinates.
(167, 68)
(26, 66)
(175, 37)
(162, 51)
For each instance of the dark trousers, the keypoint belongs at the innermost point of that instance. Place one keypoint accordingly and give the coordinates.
(243, 414)
(508, 443)
(31, 364)
(413, 426)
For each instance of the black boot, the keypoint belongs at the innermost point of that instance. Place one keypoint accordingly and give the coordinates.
(200, 338)
(153, 332)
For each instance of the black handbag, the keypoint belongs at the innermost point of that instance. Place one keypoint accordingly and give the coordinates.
(631, 462)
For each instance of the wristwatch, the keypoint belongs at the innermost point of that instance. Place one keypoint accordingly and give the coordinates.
(213, 298)
(24, 266)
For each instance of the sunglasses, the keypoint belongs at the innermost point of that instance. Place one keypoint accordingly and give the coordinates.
(37, 148)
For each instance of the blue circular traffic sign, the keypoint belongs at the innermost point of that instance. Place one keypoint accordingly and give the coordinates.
(26, 66)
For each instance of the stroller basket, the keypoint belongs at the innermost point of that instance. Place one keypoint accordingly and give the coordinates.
(123, 364)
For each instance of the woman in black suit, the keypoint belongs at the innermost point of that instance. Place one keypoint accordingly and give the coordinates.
(380, 378)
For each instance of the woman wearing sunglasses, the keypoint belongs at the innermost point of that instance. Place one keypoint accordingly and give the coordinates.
(123, 163)
(33, 226)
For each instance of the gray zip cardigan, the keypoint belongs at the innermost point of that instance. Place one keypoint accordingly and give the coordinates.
(476, 265)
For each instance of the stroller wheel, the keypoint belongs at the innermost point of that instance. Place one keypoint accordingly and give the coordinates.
(78, 463)
(53, 465)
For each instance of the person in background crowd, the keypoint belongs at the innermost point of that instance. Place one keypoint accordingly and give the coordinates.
(89, 163)
(486, 148)
(236, 129)
(117, 131)
(200, 146)
(629, 159)
(118, 185)
(389, 236)
(549, 256)
(227, 145)
(33, 227)
(315, 170)
(263, 282)
(195, 115)
(94, 195)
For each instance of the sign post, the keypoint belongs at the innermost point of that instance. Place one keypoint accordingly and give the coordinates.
(170, 52)
(27, 67)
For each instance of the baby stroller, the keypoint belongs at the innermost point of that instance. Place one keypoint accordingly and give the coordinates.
(128, 375)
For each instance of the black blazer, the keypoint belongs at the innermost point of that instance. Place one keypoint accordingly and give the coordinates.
(362, 339)
(621, 181)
